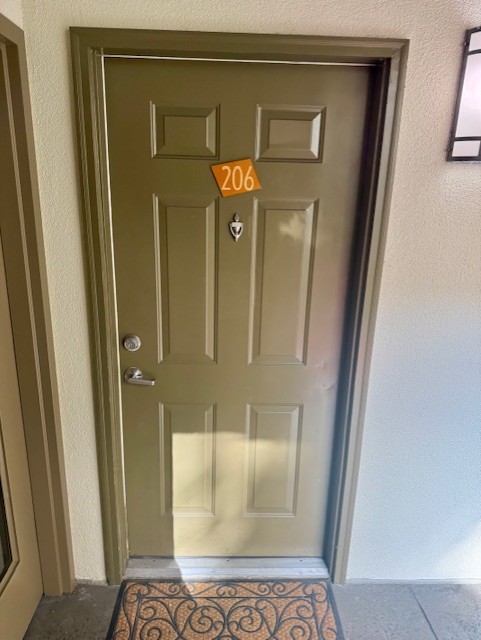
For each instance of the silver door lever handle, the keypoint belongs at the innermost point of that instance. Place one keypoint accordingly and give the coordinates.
(135, 376)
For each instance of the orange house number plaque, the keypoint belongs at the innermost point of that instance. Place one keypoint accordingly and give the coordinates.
(234, 178)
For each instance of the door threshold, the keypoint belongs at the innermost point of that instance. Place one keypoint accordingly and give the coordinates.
(187, 568)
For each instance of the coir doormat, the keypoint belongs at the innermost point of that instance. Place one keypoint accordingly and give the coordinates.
(239, 610)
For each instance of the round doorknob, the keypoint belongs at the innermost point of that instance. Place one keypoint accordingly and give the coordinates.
(131, 342)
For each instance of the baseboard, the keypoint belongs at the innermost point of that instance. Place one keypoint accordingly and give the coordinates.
(95, 583)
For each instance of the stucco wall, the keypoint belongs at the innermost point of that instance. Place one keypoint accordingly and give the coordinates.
(12, 9)
(418, 511)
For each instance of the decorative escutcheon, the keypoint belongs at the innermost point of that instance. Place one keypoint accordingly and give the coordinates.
(236, 227)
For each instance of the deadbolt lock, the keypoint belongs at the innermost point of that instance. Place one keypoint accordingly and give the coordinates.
(131, 342)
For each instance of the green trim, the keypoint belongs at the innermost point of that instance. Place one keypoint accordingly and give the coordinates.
(25, 267)
(106, 373)
(389, 57)
(361, 318)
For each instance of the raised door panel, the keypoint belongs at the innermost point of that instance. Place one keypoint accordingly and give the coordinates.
(187, 459)
(273, 436)
(186, 274)
(283, 239)
(290, 132)
(184, 132)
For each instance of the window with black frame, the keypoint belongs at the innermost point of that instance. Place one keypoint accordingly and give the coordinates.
(465, 143)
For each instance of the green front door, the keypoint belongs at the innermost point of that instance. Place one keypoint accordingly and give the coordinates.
(229, 453)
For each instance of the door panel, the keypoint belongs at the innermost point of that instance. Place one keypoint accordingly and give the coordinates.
(273, 433)
(229, 453)
(20, 580)
(186, 234)
(283, 241)
(187, 434)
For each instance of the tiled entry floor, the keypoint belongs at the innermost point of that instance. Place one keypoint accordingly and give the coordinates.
(367, 612)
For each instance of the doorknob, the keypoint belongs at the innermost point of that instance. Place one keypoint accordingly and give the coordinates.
(135, 376)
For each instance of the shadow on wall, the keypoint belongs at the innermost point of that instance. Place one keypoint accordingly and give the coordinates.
(418, 513)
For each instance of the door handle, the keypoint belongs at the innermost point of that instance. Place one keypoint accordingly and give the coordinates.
(135, 376)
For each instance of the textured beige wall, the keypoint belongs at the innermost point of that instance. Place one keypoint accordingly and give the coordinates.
(12, 9)
(418, 511)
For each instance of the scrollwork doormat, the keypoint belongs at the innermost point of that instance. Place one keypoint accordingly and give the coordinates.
(230, 610)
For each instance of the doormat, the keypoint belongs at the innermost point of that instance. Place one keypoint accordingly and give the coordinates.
(238, 610)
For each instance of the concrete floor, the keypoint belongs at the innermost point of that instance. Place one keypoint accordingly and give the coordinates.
(367, 612)
(82, 615)
(410, 612)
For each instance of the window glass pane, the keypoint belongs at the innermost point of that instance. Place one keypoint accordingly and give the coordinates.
(469, 117)
(5, 552)
(468, 148)
(475, 41)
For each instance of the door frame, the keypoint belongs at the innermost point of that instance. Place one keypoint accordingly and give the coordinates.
(26, 275)
(89, 47)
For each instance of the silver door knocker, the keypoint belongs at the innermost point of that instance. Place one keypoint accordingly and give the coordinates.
(236, 227)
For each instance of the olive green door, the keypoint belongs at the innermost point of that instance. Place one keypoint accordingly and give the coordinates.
(20, 578)
(229, 453)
